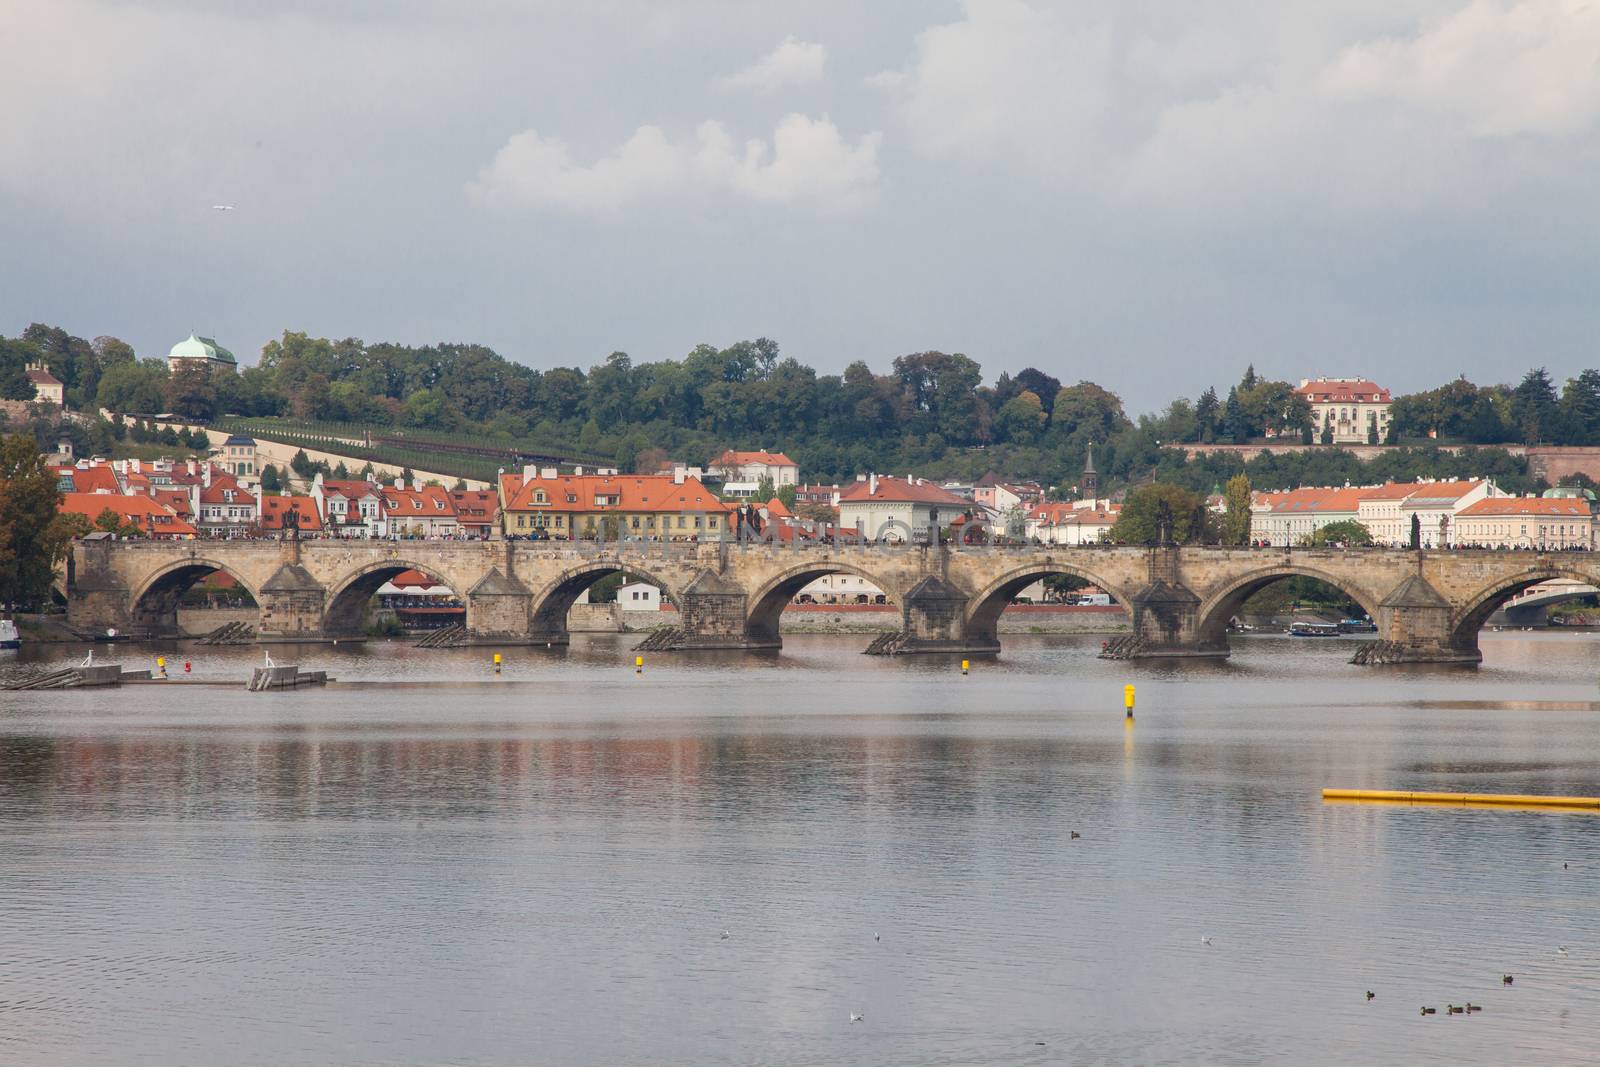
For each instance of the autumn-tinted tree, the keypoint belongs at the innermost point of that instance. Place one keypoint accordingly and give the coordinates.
(1236, 520)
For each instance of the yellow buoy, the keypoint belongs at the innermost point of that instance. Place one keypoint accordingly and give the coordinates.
(963, 666)
(638, 665)
(497, 663)
(1127, 699)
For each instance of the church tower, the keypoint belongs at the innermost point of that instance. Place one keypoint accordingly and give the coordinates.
(1091, 479)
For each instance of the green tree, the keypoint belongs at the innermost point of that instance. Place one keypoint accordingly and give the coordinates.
(29, 546)
(786, 493)
(1150, 509)
(1022, 419)
(1580, 409)
(301, 464)
(1236, 521)
(1345, 531)
(270, 483)
(1533, 405)
(14, 359)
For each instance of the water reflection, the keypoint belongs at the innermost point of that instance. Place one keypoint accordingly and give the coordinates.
(432, 865)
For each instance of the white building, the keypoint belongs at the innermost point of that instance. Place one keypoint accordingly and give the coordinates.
(1355, 409)
(1436, 504)
(1080, 523)
(1385, 510)
(1526, 522)
(840, 589)
(776, 467)
(884, 508)
(47, 388)
(349, 508)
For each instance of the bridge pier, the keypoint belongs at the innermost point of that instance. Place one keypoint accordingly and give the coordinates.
(292, 604)
(500, 611)
(934, 615)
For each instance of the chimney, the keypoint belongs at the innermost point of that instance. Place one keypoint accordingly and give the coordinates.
(577, 470)
(861, 477)
(399, 483)
(530, 472)
(678, 474)
(548, 472)
(872, 485)
(205, 476)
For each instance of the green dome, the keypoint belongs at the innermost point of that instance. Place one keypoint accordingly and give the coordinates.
(201, 348)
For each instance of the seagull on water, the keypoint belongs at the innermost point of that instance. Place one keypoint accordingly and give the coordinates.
(1561, 950)
(856, 1017)
(222, 207)
(725, 936)
(1205, 940)
(876, 936)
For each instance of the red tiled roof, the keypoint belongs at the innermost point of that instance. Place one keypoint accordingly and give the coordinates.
(1554, 507)
(274, 508)
(149, 515)
(1444, 491)
(777, 510)
(222, 483)
(731, 458)
(175, 501)
(1359, 391)
(633, 492)
(42, 377)
(899, 491)
(477, 506)
(431, 501)
(353, 490)
(94, 480)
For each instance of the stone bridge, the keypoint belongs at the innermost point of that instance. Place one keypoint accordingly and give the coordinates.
(1428, 605)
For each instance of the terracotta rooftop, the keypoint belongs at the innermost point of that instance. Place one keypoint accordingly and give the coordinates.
(899, 491)
(1553, 507)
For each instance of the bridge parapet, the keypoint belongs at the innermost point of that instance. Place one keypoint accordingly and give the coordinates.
(1428, 605)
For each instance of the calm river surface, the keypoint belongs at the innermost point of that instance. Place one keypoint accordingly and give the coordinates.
(426, 864)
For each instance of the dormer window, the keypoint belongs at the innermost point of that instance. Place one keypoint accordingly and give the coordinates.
(538, 496)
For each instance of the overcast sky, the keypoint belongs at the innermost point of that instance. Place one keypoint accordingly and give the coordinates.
(1145, 194)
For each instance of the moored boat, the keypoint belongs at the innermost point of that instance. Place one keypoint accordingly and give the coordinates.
(1313, 629)
(9, 635)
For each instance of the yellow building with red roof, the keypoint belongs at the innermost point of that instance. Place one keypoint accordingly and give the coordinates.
(579, 506)
(1551, 523)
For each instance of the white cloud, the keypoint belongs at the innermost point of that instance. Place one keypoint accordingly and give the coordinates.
(794, 62)
(807, 164)
(1007, 75)
(1527, 68)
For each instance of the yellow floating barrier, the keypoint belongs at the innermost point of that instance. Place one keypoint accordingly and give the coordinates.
(1473, 800)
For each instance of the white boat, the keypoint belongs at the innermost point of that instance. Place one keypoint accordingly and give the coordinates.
(9, 637)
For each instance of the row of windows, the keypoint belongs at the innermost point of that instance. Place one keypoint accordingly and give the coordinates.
(540, 521)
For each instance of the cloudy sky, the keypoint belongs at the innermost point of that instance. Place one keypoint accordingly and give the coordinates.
(1142, 193)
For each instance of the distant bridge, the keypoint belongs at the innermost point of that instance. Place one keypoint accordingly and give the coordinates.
(1527, 608)
(1429, 605)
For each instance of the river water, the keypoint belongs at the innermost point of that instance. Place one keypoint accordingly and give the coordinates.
(431, 864)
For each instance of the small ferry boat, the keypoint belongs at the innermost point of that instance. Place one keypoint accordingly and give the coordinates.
(1357, 626)
(9, 637)
(1313, 629)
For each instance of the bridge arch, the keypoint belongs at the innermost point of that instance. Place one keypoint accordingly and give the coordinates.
(552, 602)
(985, 608)
(1211, 617)
(153, 604)
(1467, 621)
(765, 606)
(347, 600)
